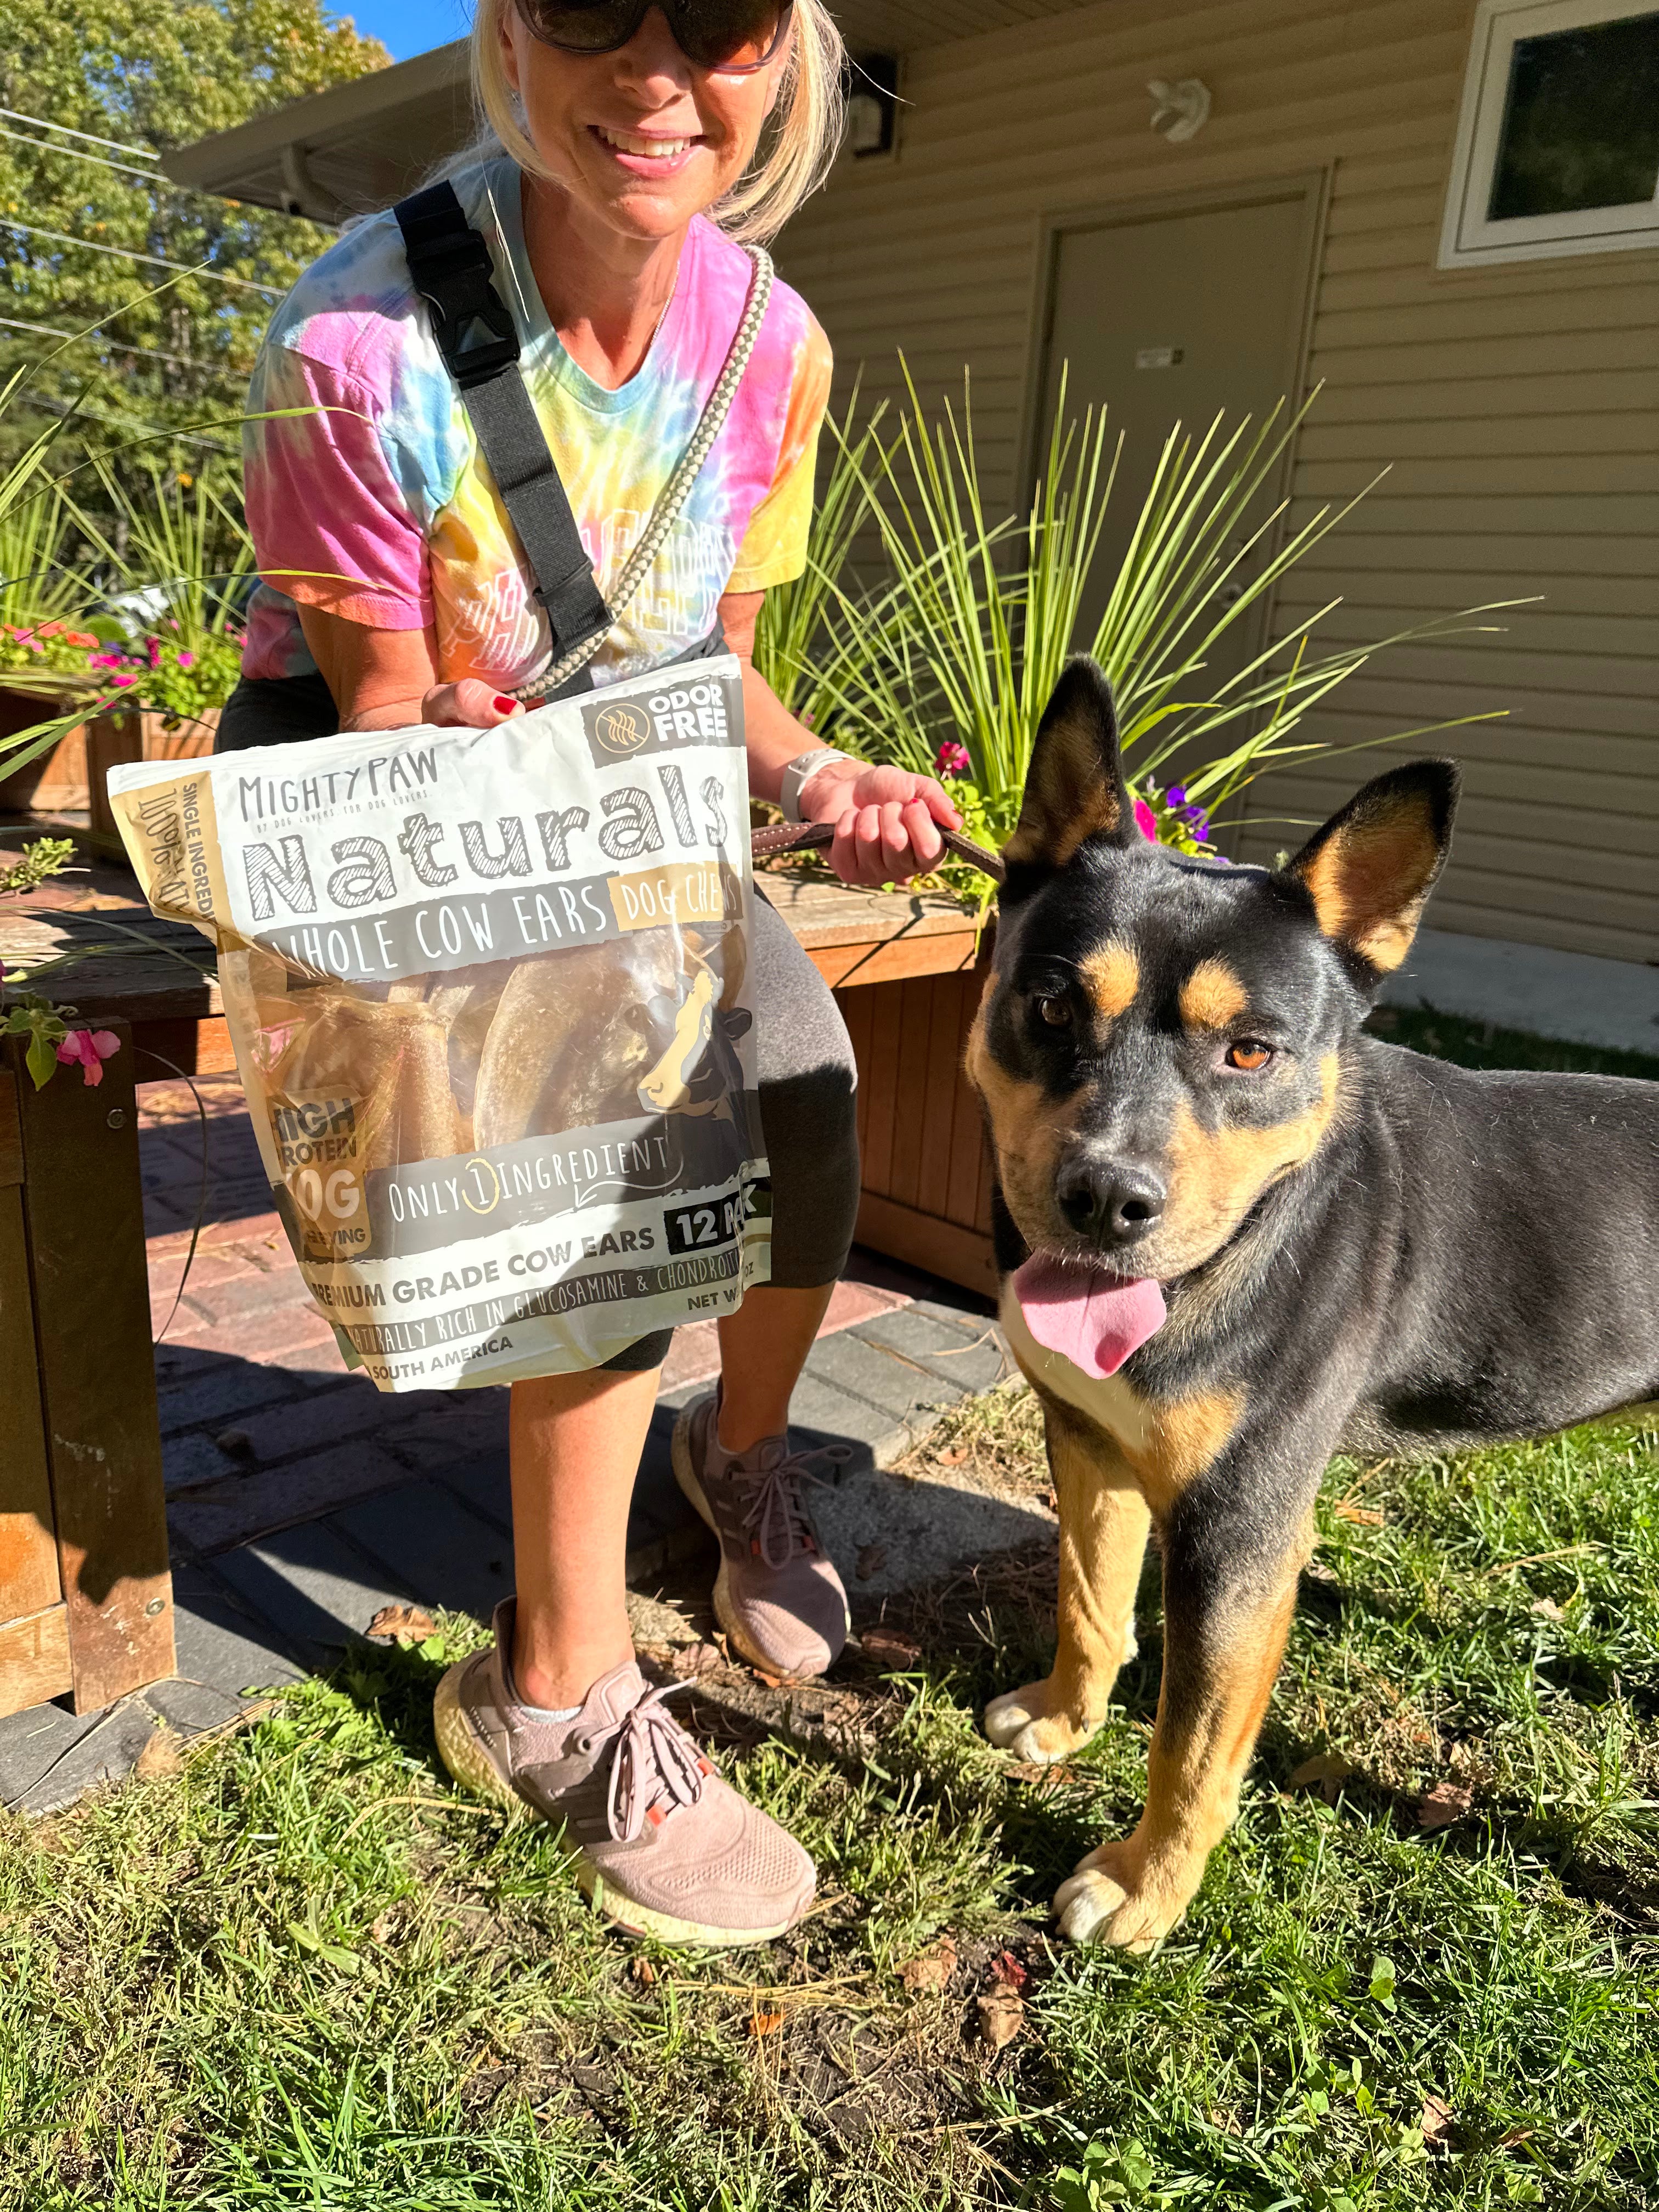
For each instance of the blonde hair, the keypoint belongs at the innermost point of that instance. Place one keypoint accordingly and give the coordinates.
(798, 142)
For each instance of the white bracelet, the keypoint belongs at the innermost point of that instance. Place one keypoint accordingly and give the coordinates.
(799, 771)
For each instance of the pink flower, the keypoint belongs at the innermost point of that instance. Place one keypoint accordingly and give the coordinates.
(91, 1047)
(1145, 820)
(186, 660)
(953, 758)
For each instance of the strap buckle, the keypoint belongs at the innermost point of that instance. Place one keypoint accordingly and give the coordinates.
(450, 264)
(474, 328)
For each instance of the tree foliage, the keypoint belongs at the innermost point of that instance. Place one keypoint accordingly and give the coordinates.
(151, 75)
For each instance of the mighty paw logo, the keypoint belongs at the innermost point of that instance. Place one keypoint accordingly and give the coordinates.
(702, 711)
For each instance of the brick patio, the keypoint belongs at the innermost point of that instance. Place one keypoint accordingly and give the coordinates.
(301, 1499)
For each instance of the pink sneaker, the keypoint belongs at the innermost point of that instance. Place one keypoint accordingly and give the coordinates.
(777, 1597)
(663, 1847)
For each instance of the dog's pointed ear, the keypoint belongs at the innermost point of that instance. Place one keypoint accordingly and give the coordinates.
(1368, 872)
(1074, 786)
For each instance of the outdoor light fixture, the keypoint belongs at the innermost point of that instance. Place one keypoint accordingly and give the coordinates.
(872, 103)
(1180, 109)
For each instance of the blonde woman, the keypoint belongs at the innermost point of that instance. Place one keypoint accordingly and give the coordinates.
(633, 147)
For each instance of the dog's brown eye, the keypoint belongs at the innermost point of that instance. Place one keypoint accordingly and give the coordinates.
(1055, 1012)
(1248, 1053)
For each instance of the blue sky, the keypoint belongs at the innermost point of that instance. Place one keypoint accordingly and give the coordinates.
(407, 27)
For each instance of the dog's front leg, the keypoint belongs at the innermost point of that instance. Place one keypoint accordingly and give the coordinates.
(1224, 1630)
(1103, 1525)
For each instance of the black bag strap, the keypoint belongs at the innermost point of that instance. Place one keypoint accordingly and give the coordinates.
(478, 339)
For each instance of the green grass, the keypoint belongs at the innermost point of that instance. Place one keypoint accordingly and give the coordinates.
(1482, 1044)
(304, 1974)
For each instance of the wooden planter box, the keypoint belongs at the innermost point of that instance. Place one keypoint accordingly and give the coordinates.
(56, 782)
(86, 1598)
(903, 968)
(70, 778)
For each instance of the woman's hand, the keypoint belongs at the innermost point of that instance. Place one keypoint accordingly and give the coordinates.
(885, 820)
(469, 705)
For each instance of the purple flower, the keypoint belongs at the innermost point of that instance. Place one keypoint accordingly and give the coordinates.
(1177, 794)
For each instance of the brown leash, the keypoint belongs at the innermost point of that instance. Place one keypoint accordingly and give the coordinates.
(812, 836)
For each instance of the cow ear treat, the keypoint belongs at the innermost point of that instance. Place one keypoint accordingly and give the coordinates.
(486, 990)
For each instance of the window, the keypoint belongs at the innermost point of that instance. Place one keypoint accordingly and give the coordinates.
(1557, 143)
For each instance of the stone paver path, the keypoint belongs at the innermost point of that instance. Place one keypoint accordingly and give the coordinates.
(300, 1500)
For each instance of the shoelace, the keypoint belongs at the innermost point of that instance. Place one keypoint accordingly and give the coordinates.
(776, 1510)
(653, 1758)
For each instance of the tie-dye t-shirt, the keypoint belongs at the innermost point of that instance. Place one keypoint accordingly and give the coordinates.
(380, 491)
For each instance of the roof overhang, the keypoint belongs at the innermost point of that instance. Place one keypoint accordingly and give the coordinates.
(360, 145)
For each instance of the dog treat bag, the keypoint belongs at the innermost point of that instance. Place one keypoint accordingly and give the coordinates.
(486, 990)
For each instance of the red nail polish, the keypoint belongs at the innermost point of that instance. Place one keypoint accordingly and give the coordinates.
(504, 704)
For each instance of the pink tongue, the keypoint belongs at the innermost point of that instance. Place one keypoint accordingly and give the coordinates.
(1092, 1319)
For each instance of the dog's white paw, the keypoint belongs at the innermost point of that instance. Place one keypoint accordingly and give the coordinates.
(1016, 1722)
(1004, 1717)
(1110, 1900)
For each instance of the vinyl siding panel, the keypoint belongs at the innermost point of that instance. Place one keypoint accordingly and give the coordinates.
(1515, 409)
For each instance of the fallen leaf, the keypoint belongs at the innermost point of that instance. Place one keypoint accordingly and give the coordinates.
(1226, 2121)
(1007, 1971)
(1326, 1771)
(954, 1457)
(1437, 2123)
(643, 1971)
(1001, 2017)
(692, 1659)
(871, 1559)
(235, 1443)
(380, 1929)
(409, 1624)
(160, 1757)
(1317, 1571)
(931, 1969)
(1548, 1608)
(888, 1648)
(763, 2023)
(1366, 1517)
(772, 1681)
(1050, 1499)
(1446, 1802)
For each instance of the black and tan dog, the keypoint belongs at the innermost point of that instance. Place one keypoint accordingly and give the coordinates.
(1236, 1236)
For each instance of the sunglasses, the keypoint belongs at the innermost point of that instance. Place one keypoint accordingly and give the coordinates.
(734, 35)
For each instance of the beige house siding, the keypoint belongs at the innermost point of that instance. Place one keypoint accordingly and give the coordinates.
(1516, 408)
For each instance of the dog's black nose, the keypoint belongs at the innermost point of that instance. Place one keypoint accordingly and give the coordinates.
(1112, 1202)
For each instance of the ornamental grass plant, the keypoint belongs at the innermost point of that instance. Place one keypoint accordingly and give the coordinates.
(141, 610)
(945, 664)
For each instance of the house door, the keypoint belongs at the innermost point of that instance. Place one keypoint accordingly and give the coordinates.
(1176, 315)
